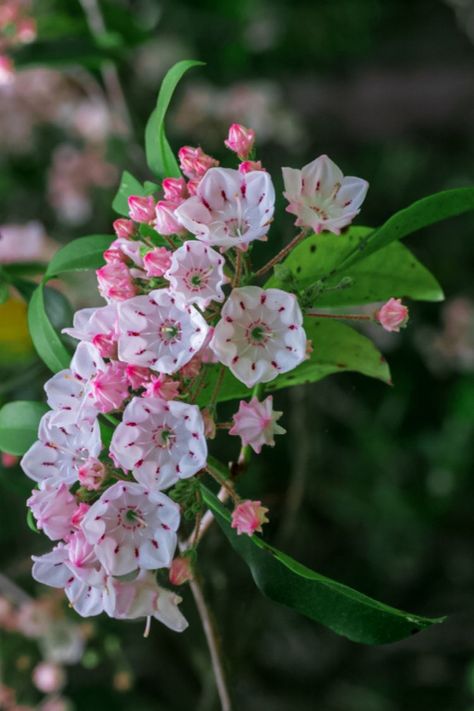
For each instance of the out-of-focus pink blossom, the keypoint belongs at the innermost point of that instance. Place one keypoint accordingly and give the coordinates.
(157, 261)
(115, 282)
(48, 677)
(141, 209)
(240, 140)
(194, 162)
(181, 570)
(9, 460)
(248, 517)
(7, 71)
(393, 315)
(91, 474)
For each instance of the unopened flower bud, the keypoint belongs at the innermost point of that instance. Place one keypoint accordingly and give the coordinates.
(393, 315)
(248, 517)
(240, 140)
(141, 209)
(124, 228)
(157, 262)
(250, 165)
(180, 571)
(194, 162)
(175, 189)
(92, 474)
(165, 222)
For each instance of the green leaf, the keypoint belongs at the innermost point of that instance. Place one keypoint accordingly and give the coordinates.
(160, 157)
(46, 341)
(336, 348)
(391, 271)
(19, 422)
(421, 213)
(30, 521)
(128, 186)
(4, 291)
(79, 255)
(24, 268)
(344, 610)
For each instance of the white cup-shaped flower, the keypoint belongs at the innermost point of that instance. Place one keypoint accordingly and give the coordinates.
(197, 273)
(321, 197)
(132, 527)
(260, 334)
(159, 331)
(160, 441)
(61, 450)
(229, 209)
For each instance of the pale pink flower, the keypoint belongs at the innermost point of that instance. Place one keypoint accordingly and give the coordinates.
(97, 326)
(52, 506)
(143, 597)
(159, 331)
(137, 376)
(197, 273)
(194, 162)
(68, 392)
(131, 527)
(26, 242)
(109, 387)
(175, 189)
(48, 677)
(321, 197)
(249, 165)
(393, 315)
(91, 474)
(163, 387)
(230, 209)
(240, 140)
(181, 570)
(26, 30)
(7, 71)
(165, 220)
(256, 423)
(248, 517)
(79, 513)
(160, 441)
(124, 228)
(260, 334)
(141, 209)
(157, 261)
(115, 282)
(61, 449)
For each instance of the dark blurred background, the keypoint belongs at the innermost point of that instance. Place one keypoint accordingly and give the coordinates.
(373, 485)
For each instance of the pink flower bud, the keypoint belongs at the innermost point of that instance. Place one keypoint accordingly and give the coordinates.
(393, 315)
(157, 262)
(192, 368)
(240, 140)
(175, 189)
(7, 70)
(109, 387)
(161, 386)
(250, 165)
(166, 223)
(248, 517)
(124, 228)
(82, 508)
(137, 376)
(141, 209)
(180, 571)
(91, 474)
(194, 162)
(106, 344)
(193, 186)
(9, 460)
(48, 677)
(115, 282)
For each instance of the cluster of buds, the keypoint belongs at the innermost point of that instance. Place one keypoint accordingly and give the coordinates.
(176, 312)
(16, 27)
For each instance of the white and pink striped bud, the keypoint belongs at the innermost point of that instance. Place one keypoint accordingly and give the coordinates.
(240, 140)
(250, 165)
(393, 315)
(175, 189)
(115, 282)
(157, 261)
(194, 162)
(91, 475)
(141, 209)
(124, 228)
(165, 220)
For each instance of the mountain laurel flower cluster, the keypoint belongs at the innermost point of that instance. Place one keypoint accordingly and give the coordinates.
(123, 447)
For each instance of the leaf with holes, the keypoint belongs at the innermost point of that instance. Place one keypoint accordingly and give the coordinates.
(160, 157)
(19, 422)
(391, 271)
(339, 607)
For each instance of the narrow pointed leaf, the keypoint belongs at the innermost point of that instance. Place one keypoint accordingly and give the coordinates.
(128, 186)
(79, 255)
(339, 607)
(160, 157)
(46, 340)
(19, 423)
